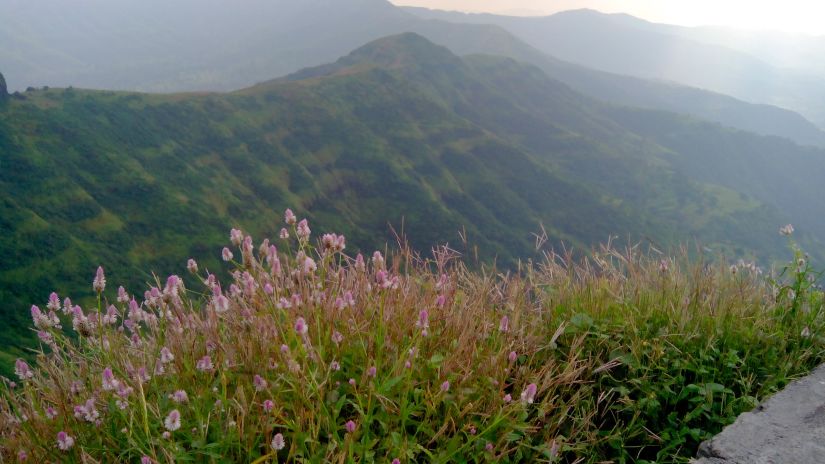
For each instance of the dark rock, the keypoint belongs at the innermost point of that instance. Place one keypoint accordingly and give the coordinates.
(4, 92)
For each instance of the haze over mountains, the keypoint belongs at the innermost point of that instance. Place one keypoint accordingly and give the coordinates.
(626, 45)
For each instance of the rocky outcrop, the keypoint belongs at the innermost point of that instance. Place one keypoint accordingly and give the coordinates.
(4, 93)
(788, 428)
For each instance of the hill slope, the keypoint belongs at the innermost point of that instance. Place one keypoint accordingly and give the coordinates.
(400, 130)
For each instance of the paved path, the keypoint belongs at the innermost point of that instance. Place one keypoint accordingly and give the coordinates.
(788, 428)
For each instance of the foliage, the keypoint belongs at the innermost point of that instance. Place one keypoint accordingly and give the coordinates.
(310, 354)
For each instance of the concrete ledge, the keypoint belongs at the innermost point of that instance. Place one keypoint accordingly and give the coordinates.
(788, 428)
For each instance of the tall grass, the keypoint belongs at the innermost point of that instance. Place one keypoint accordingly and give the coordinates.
(310, 355)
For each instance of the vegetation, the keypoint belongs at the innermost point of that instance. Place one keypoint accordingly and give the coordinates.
(310, 354)
(399, 136)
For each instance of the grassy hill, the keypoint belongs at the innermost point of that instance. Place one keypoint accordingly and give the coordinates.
(399, 133)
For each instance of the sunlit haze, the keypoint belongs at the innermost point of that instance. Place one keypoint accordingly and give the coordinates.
(796, 16)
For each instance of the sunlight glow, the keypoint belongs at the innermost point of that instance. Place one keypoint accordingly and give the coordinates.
(794, 16)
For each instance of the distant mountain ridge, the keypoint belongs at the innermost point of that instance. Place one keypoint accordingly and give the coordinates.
(623, 44)
(215, 45)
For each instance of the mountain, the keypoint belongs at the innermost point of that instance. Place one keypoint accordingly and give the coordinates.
(191, 45)
(399, 133)
(622, 44)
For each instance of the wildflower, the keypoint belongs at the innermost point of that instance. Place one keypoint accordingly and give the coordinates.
(51, 413)
(372, 371)
(283, 234)
(284, 349)
(309, 265)
(64, 441)
(377, 260)
(445, 387)
(806, 332)
(423, 322)
(529, 394)
(268, 289)
(172, 421)
(508, 398)
(87, 411)
(226, 254)
(504, 324)
(180, 396)
(166, 435)
(221, 304)
(352, 382)
(786, 230)
(45, 337)
(268, 405)
(278, 442)
(146, 460)
(407, 364)
(289, 217)
(166, 355)
(22, 370)
(664, 265)
(303, 230)
(512, 356)
(488, 447)
(359, 263)
(259, 383)
(440, 301)
(41, 320)
(122, 296)
(54, 302)
(396, 461)
(99, 282)
(109, 381)
(301, 326)
(67, 306)
(236, 237)
(110, 318)
(334, 365)
(350, 426)
(22, 455)
(205, 364)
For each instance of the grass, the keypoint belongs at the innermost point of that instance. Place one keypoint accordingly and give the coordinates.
(310, 355)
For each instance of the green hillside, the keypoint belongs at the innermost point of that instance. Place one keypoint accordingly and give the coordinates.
(400, 130)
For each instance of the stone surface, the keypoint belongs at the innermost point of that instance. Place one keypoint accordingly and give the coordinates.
(3, 90)
(788, 428)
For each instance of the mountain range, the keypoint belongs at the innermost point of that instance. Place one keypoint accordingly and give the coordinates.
(622, 44)
(400, 134)
(213, 45)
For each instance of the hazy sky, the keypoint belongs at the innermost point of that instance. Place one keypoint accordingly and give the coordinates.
(806, 16)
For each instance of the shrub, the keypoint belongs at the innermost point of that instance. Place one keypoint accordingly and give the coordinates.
(312, 355)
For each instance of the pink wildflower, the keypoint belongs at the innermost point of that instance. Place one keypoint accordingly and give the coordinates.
(54, 302)
(445, 387)
(529, 394)
(221, 304)
(350, 426)
(109, 381)
(172, 421)
(337, 337)
(192, 266)
(301, 326)
(146, 460)
(303, 230)
(268, 405)
(64, 441)
(309, 265)
(284, 234)
(122, 296)
(22, 370)
(99, 282)
(226, 254)
(508, 398)
(423, 322)
(259, 383)
(289, 217)
(372, 371)
(166, 355)
(236, 237)
(205, 364)
(512, 356)
(278, 442)
(504, 324)
(180, 396)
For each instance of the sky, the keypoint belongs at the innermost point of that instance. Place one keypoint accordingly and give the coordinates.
(795, 16)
